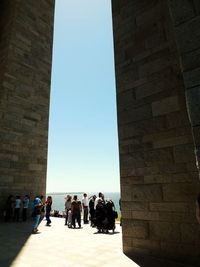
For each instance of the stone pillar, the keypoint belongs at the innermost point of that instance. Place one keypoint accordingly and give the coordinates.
(186, 18)
(26, 31)
(159, 178)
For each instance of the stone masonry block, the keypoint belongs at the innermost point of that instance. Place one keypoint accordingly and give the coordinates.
(177, 217)
(150, 16)
(146, 193)
(168, 142)
(145, 215)
(133, 205)
(36, 167)
(186, 253)
(197, 6)
(126, 215)
(142, 127)
(135, 228)
(131, 180)
(191, 78)
(188, 35)
(181, 192)
(133, 115)
(165, 231)
(171, 168)
(150, 88)
(126, 193)
(193, 100)
(177, 119)
(165, 106)
(191, 60)
(127, 241)
(170, 178)
(182, 10)
(196, 134)
(158, 155)
(190, 233)
(172, 207)
(149, 68)
(132, 160)
(151, 245)
(184, 153)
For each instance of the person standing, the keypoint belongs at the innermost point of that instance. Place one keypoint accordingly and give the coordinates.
(100, 197)
(18, 203)
(9, 208)
(42, 208)
(25, 203)
(37, 205)
(85, 204)
(67, 207)
(91, 208)
(48, 210)
(76, 211)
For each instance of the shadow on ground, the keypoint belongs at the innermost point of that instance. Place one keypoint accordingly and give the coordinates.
(13, 237)
(155, 262)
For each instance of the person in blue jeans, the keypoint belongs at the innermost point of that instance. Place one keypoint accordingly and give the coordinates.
(37, 204)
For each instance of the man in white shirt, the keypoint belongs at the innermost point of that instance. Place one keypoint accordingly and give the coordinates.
(85, 203)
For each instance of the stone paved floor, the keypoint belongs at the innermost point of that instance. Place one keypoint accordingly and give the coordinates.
(59, 246)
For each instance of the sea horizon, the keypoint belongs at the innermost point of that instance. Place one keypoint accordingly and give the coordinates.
(80, 192)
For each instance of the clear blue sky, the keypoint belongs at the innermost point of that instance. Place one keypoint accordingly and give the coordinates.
(83, 145)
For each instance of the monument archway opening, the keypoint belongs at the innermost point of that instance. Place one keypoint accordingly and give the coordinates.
(157, 87)
(83, 145)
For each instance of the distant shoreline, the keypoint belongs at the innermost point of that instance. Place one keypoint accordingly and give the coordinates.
(63, 193)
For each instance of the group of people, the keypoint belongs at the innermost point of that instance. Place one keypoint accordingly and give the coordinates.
(96, 210)
(73, 208)
(16, 208)
(101, 212)
(41, 208)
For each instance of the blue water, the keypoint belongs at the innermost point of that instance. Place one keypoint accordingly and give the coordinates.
(59, 198)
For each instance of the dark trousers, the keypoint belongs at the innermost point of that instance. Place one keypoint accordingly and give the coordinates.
(9, 213)
(48, 217)
(16, 214)
(76, 216)
(24, 214)
(85, 214)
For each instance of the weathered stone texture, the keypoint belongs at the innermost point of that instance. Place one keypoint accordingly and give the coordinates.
(188, 42)
(26, 31)
(159, 179)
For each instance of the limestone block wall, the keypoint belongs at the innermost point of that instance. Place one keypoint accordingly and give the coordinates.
(186, 19)
(159, 178)
(26, 31)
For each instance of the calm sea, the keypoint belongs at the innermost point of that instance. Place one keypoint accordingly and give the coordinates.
(59, 198)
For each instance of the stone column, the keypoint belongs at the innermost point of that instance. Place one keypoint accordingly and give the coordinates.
(26, 31)
(186, 18)
(159, 178)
